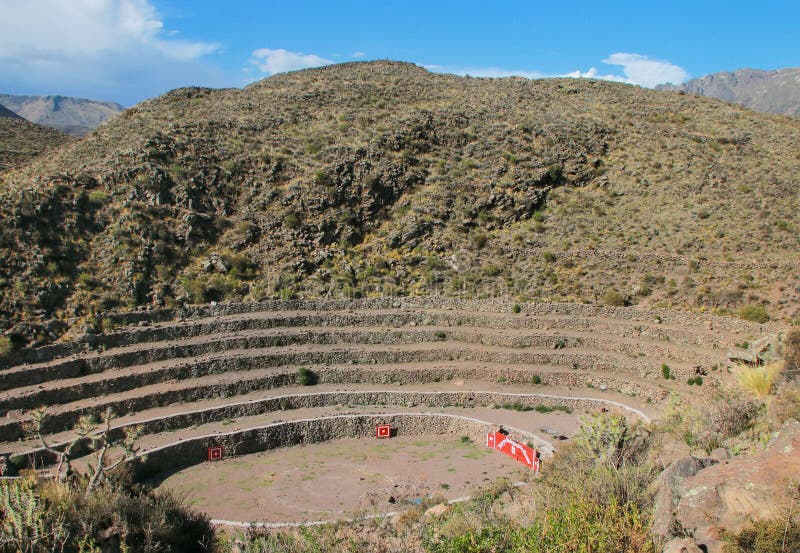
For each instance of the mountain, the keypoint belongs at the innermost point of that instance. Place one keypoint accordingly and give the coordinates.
(21, 140)
(381, 178)
(775, 91)
(75, 116)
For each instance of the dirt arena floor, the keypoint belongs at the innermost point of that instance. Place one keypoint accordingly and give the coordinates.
(341, 478)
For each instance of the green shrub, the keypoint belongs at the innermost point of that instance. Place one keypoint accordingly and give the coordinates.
(516, 308)
(613, 298)
(6, 346)
(754, 312)
(666, 372)
(536, 379)
(306, 377)
(552, 408)
(695, 381)
(98, 197)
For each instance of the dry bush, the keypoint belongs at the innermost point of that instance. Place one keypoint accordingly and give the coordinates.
(709, 424)
(791, 353)
(786, 404)
(758, 380)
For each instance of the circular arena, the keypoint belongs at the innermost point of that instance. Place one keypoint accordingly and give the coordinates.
(285, 396)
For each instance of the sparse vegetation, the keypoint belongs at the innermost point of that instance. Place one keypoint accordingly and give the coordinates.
(613, 298)
(306, 377)
(760, 379)
(754, 312)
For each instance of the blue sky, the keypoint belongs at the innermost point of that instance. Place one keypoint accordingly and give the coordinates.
(129, 50)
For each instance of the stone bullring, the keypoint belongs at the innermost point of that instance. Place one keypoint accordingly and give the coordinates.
(229, 375)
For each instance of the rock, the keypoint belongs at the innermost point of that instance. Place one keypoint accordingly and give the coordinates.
(720, 454)
(766, 348)
(437, 510)
(742, 356)
(668, 488)
(730, 495)
(682, 545)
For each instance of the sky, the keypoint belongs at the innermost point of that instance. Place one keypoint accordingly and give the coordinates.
(130, 50)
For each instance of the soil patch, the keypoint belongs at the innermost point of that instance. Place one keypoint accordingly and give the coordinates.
(341, 478)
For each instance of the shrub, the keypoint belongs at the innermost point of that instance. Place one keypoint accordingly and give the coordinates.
(754, 312)
(98, 197)
(516, 308)
(5, 345)
(665, 371)
(306, 377)
(536, 379)
(791, 353)
(758, 380)
(613, 298)
(695, 381)
(118, 516)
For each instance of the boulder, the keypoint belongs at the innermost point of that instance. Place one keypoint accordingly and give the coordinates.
(682, 545)
(730, 495)
(437, 510)
(668, 493)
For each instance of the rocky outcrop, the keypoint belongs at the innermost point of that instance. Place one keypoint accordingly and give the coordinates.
(700, 498)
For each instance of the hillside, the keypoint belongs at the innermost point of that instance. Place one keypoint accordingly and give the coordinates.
(6, 113)
(75, 116)
(776, 91)
(21, 140)
(381, 178)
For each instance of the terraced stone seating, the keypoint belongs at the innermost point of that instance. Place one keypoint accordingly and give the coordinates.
(230, 374)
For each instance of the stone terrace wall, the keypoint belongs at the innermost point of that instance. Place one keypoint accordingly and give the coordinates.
(668, 317)
(373, 398)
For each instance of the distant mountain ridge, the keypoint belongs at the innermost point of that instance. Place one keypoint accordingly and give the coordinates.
(75, 116)
(776, 91)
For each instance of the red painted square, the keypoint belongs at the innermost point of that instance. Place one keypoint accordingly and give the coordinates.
(383, 431)
(214, 453)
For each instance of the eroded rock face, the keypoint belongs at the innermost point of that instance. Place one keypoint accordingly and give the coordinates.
(670, 489)
(729, 494)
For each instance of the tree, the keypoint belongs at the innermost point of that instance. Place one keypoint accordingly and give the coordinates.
(100, 440)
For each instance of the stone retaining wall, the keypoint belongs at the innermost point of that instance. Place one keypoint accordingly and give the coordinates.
(675, 318)
(180, 369)
(193, 451)
(465, 399)
(218, 342)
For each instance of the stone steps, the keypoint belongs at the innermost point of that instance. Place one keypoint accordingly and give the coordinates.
(139, 399)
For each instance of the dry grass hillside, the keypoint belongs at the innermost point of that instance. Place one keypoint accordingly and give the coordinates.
(21, 140)
(381, 178)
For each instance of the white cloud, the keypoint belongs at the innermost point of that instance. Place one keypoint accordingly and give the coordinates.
(104, 45)
(645, 71)
(358, 55)
(636, 68)
(270, 61)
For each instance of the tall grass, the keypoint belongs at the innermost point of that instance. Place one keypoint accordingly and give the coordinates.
(758, 380)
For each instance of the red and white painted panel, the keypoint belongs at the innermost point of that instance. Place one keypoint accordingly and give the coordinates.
(514, 449)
